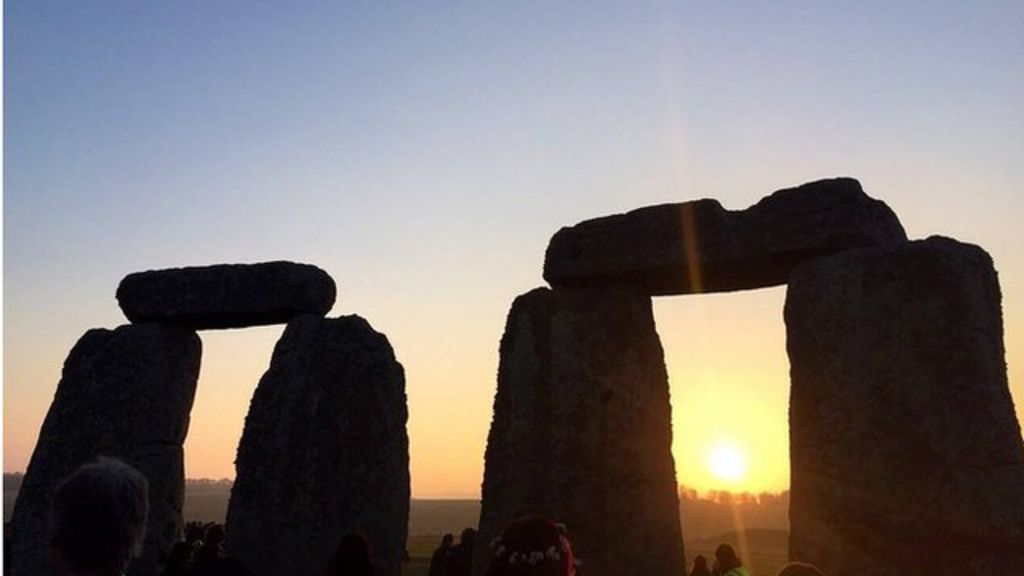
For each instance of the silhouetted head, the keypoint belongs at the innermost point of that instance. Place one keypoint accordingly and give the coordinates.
(211, 549)
(700, 566)
(193, 532)
(725, 558)
(214, 535)
(447, 540)
(98, 518)
(799, 569)
(468, 537)
(352, 557)
(532, 546)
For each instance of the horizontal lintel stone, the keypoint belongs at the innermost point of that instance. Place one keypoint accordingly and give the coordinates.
(227, 295)
(700, 246)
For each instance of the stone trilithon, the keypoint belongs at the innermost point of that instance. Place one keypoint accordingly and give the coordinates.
(906, 455)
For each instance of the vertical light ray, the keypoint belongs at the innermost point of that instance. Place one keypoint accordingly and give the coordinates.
(691, 248)
(741, 533)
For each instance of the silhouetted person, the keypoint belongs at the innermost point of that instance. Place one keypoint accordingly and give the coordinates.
(532, 546)
(461, 562)
(194, 534)
(439, 561)
(799, 569)
(98, 519)
(700, 567)
(727, 563)
(179, 560)
(212, 548)
(352, 556)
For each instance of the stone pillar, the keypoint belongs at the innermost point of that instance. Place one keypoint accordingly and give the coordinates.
(124, 393)
(582, 431)
(324, 452)
(906, 453)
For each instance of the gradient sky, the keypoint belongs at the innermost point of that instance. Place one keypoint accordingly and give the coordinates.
(424, 153)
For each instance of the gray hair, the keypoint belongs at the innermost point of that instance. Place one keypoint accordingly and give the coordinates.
(98, 516)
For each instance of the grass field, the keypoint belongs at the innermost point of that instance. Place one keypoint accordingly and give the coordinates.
(420, 549)
(706, 524)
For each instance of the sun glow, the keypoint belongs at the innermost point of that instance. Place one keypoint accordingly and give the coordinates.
(727, 461)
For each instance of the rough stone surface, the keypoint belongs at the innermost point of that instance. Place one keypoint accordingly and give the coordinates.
(701, 247)
(227, 295)
(906, 454)
(124, 393)
(582, 431)
(324, 451)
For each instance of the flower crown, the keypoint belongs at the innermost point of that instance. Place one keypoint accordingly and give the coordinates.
(533, 557)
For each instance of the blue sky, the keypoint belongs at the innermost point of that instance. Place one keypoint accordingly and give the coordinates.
(424, 154)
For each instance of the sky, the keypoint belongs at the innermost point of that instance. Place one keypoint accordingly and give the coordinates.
(424, 153)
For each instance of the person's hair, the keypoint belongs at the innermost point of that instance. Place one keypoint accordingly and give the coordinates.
(799, 569)
(700, 566)
(726, 557)
(98, 516)
(214, 534)
(532, 546)
(352, 556)
(447, 539)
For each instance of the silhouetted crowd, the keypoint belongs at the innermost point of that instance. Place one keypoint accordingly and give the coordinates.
(454, 560)
(202, 554)
(728, 563)
(98, 521)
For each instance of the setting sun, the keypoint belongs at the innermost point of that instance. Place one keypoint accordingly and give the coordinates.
(727, 461)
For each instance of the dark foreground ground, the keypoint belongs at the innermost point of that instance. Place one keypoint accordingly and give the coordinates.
(706, 524)
(765, 550)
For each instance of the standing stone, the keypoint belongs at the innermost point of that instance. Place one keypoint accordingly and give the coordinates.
(701, 247)
(906, 454)
(227, 295)
(582, 431)
(324, 452)
(124, 393)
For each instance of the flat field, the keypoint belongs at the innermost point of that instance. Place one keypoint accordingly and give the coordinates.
(706, 524)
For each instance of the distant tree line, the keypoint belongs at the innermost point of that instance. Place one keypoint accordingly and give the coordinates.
(734, 498)
(13, 480)
(209, 483)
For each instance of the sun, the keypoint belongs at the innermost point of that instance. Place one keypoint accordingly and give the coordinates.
(727, 461)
